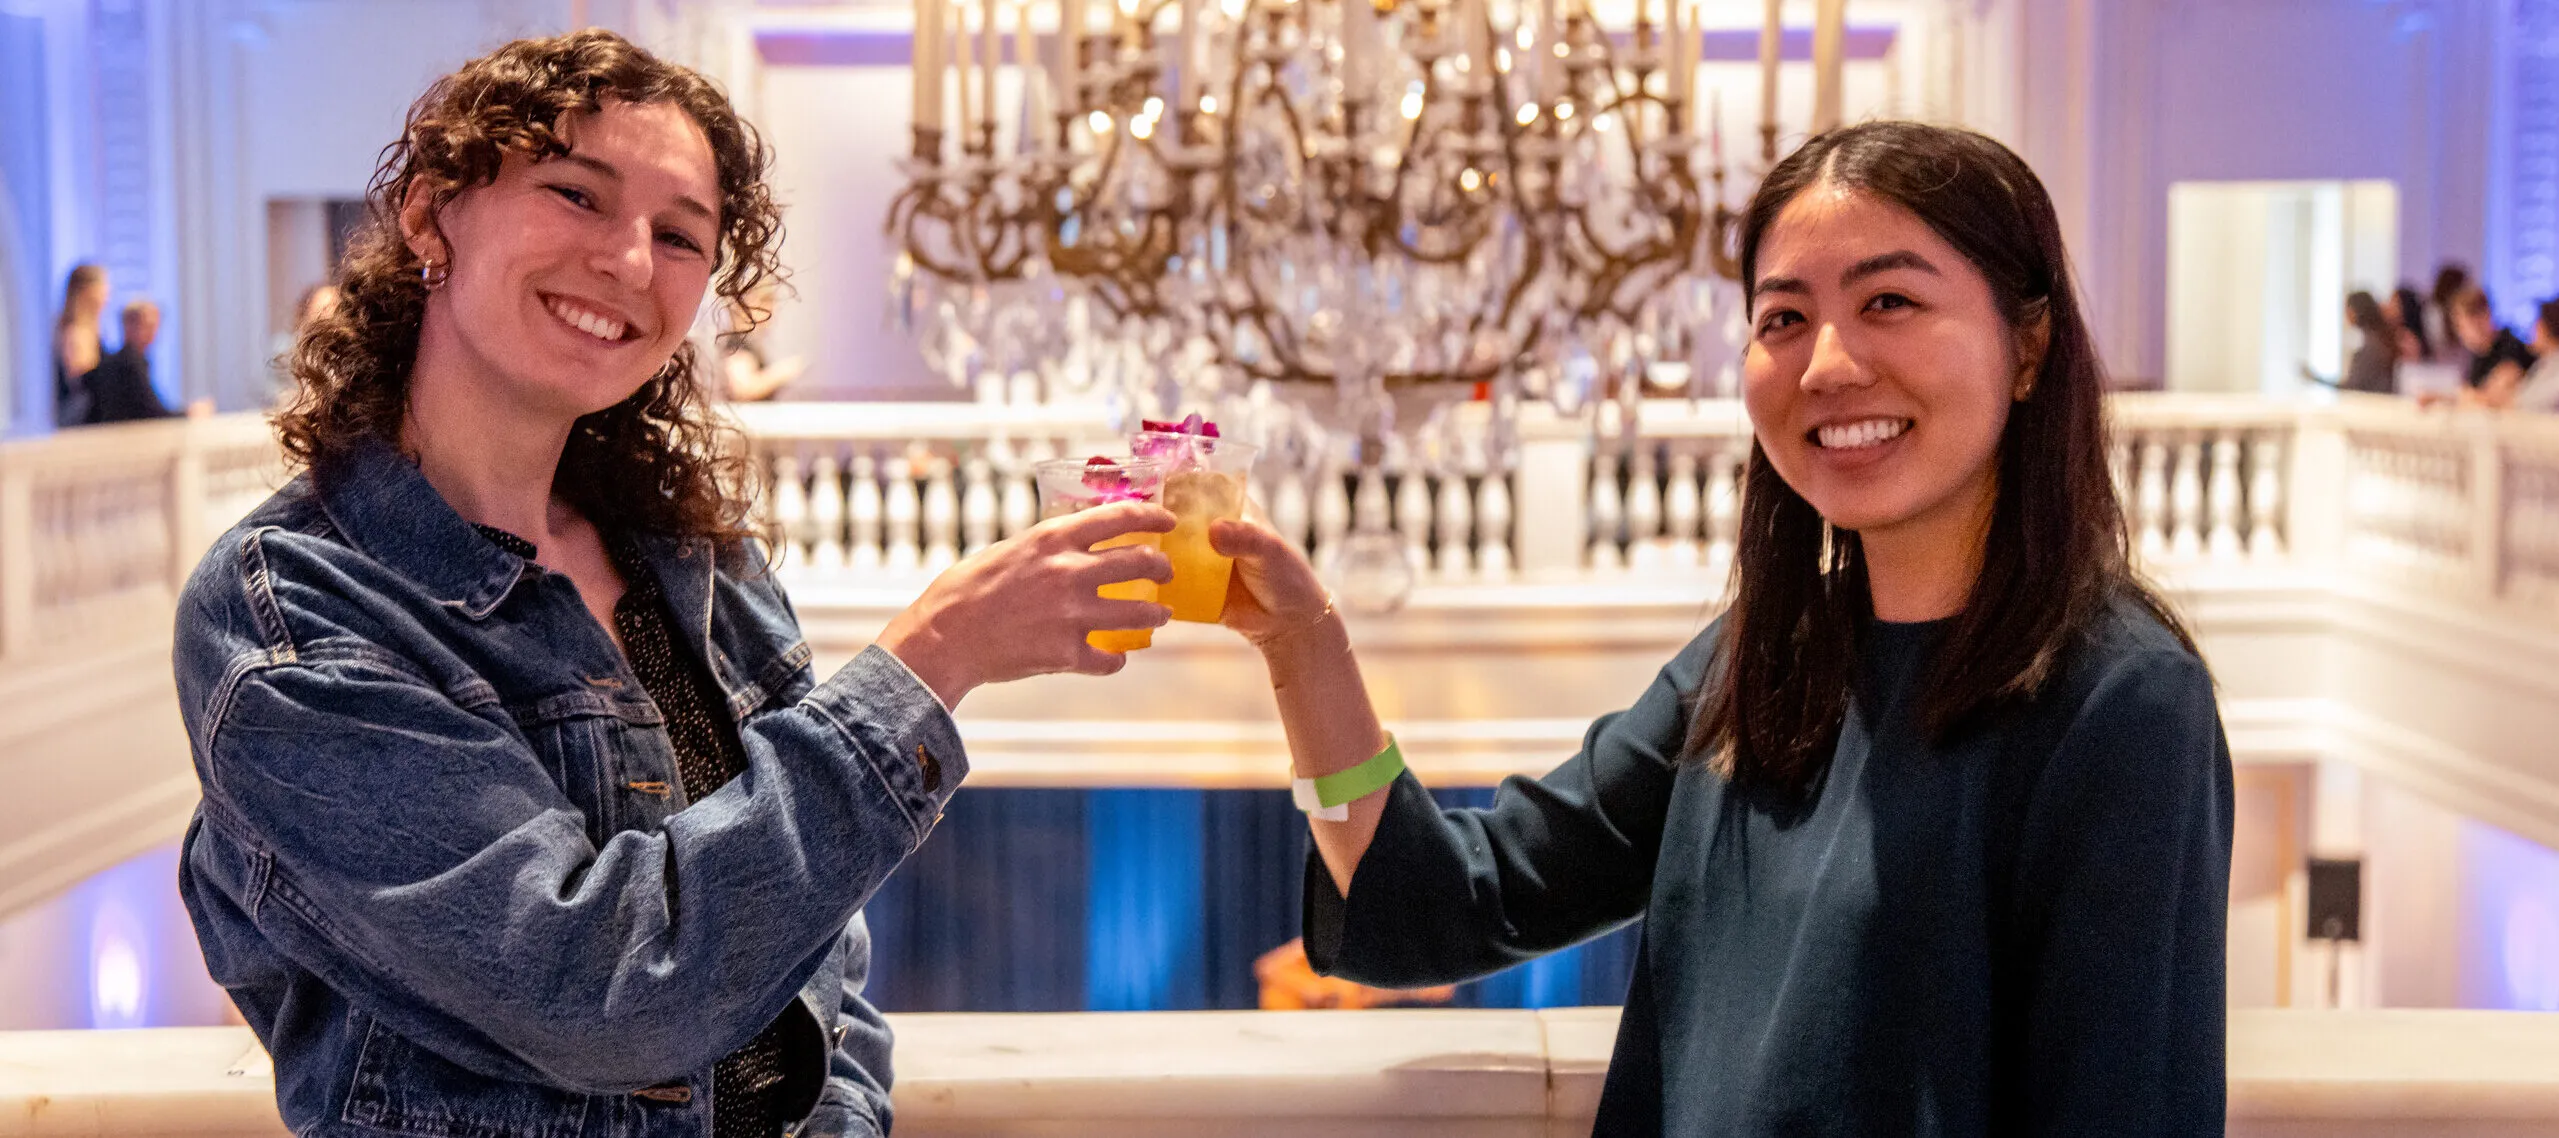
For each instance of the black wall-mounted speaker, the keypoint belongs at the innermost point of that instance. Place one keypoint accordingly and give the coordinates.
(2336, 898)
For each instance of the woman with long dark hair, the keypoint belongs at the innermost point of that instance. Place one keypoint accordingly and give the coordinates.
(523, 812)
(1930, 830)
(77, 343)
(2408, 310)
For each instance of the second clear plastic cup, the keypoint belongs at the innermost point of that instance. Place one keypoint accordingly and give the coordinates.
(1069, 486)
(1204, 480)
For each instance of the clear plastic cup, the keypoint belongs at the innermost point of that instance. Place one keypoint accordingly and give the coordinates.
(1204, 480)
(1070, 485)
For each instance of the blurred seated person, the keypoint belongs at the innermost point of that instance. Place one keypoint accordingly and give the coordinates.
(2498, 357)
(749, 372)
(120, 389)
(2538, 390)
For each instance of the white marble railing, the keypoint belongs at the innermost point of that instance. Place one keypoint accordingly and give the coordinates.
(1351, 1074)
(2430, 499)
(98, 527)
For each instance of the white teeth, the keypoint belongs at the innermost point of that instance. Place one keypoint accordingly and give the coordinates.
(594, 324)
(1865, 433)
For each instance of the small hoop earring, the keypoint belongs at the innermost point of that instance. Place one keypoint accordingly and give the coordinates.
(433, 274)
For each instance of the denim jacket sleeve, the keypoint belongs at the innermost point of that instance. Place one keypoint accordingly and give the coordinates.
(462, 901)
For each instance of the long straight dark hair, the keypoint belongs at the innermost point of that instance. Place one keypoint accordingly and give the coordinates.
(2056, 552)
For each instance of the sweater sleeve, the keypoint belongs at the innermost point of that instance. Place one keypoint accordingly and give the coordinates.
(1444, 896)
(2124, 874)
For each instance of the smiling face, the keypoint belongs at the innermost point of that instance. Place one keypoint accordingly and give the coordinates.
(575, 278)
(1880, 371)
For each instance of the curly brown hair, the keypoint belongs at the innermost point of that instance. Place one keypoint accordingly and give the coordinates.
(657, 461)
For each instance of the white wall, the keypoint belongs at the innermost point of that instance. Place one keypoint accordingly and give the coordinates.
(362, 64)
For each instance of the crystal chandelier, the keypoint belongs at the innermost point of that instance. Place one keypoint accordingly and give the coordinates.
(1371, 210)
(1363, 196)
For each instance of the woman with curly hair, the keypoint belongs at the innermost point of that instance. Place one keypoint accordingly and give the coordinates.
(523, 812)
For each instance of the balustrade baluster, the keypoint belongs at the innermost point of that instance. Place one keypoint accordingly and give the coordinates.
(941, 515)
(901, 512)
(1682, 511)
(790, 509)
(1723, 506)
(2266, 495)
(826, 511)
(1332, 507)
(978, 505)
(1645, 547)
(1413, 515)
(1021, 507)
(863, 509)
(1371, 509)
(1607, 514)
(2186, 499)
(1454, 526)
(1493, 560)
(2153, 496)
(2223, 496)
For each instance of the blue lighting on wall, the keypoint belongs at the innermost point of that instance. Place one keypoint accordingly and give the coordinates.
(1142, 932)
(1128, 900)
(2509, 921)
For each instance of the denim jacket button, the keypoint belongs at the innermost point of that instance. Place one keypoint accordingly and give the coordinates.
(932, 768)
(841, 1030)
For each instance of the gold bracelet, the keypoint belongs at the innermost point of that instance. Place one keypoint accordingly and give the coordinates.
(1319, 618)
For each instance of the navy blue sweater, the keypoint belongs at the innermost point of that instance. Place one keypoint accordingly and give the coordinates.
(2018, 933)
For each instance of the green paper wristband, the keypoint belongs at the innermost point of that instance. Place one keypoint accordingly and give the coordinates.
(1363, 780)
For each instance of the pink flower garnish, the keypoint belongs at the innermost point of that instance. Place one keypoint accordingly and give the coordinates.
(1109, 481)
(1192, 425)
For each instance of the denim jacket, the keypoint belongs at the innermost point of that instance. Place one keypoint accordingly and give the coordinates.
(445, 864)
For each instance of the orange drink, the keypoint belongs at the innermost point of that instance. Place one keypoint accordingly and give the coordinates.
(1204, 480)
(1068, 486)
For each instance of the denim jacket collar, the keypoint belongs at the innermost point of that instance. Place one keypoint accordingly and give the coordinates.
(384, 505)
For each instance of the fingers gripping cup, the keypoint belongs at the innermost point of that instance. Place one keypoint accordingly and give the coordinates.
(1068, 486)
(1204, 480)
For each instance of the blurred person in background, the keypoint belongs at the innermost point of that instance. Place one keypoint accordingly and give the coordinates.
(120, 389)
(2451, 281)
(2498, 357)
(2374, 367)
(747, 373)
(2538, 389)
(77, 346)
(317, 303)
(2407, 310)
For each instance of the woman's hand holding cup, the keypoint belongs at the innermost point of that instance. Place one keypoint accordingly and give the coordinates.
(1274, 594)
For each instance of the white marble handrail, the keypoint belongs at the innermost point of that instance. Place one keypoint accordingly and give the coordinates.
(2299, 1074)
(99, 526)
(93, 521)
